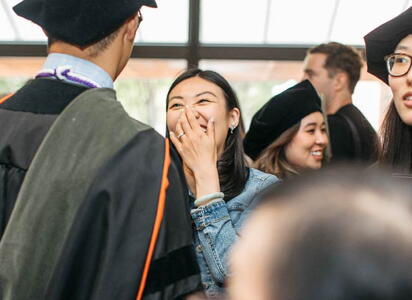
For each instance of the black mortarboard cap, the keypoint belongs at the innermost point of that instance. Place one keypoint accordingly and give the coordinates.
(383, 41)
(80, 22)
(279, 114)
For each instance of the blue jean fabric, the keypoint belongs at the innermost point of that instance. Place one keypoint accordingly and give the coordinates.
(217, 227)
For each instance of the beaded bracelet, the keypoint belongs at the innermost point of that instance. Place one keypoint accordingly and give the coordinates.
(206, 198)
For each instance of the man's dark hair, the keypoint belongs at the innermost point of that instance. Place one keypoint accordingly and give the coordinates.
(341, 58)
(95, 48)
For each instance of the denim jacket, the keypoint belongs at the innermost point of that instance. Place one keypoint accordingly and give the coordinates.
(217, 227)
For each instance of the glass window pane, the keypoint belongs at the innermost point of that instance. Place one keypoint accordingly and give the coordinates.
(300, 22)
(26, 30)
(141, 88)
(168, 23)
(29, 31)
(255, 82)
(143, 85)
(6, 30)
(232, 21)
(19, 68)
(366, 98)
(353, 20)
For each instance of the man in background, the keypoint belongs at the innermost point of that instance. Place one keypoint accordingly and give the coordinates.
(334, 70)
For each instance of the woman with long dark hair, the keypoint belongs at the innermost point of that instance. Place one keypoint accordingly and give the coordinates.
(205, 125)
(389, 57)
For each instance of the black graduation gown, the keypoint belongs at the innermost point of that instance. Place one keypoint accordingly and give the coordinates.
(91, 242)
(356, 141)
(25, 119)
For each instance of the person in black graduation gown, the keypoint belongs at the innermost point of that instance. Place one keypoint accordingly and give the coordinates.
(92, 203)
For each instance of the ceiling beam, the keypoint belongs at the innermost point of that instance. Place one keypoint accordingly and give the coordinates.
(175, 51)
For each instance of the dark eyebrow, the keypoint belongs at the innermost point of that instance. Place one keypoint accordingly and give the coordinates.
(206, 92)
(310, 124)
(402, 47)
(175, 97)
(314, 124)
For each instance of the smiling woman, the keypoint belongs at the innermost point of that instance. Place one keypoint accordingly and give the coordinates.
(288, 134)
(209, 104)
(205, 125)
(388, 52)
(305, 150)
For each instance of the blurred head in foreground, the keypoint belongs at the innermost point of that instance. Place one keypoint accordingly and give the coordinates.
(333, 235)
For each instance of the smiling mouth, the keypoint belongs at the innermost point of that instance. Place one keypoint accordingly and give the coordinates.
(407, 97)
(316, 153)
(407, 100)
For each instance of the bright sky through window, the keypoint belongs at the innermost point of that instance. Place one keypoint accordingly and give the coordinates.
(291, 22)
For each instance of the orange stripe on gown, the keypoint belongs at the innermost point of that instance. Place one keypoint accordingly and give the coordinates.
(158, 220)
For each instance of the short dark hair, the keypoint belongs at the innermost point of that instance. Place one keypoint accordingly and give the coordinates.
(96, 48)
(342, 58)
(232, 169)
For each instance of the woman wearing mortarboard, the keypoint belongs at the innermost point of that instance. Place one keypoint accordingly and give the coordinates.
(205, 125)
(288, 134)
(389, 57)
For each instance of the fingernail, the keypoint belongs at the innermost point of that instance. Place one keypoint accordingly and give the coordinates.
(212, 120)
(171, 133)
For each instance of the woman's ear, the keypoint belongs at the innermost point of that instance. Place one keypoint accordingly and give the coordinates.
(234, 116)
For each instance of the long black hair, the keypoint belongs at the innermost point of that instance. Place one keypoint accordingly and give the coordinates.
(396, 142)
(231, 165)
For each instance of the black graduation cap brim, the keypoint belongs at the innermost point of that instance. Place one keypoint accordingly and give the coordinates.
(383, 41)
(80, 22)
(279, 114)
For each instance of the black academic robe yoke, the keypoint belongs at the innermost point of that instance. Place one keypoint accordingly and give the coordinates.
(25, 119)
(91, 240)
